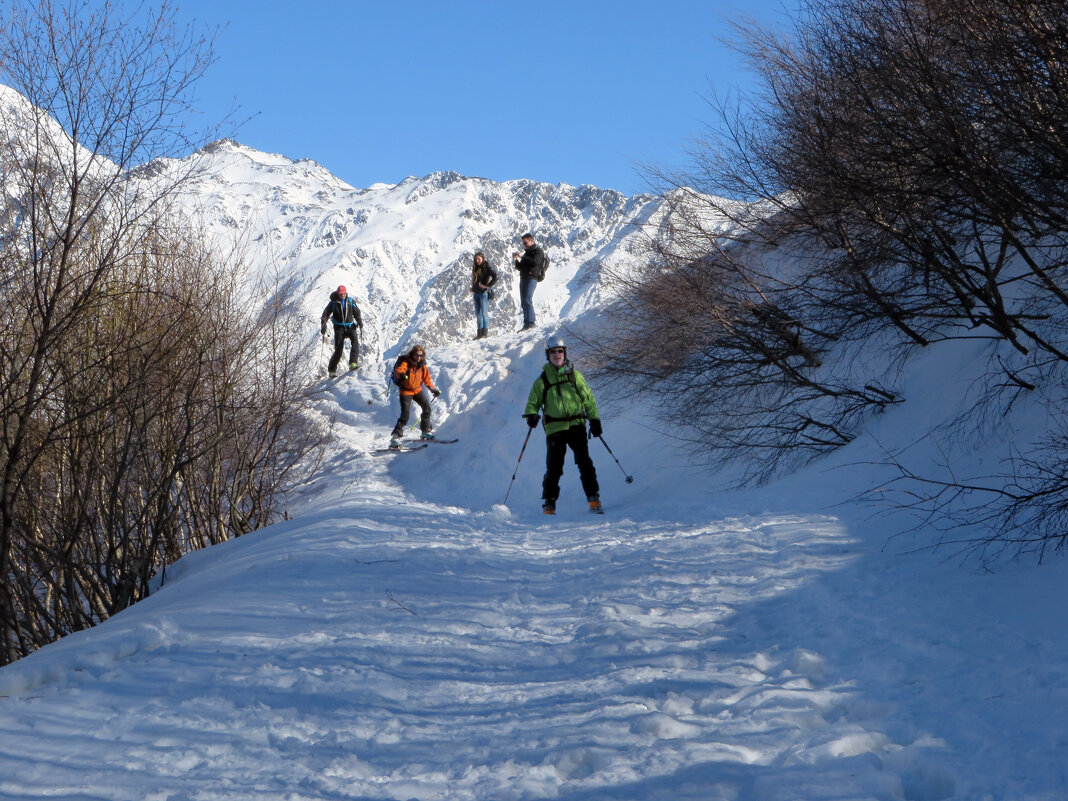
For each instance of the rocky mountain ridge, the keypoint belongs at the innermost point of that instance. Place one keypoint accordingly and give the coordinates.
(404, 251)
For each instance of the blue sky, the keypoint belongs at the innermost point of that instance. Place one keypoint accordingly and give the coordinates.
(574, 92)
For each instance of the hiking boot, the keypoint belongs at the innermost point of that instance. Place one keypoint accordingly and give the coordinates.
(427, 435)
(594, 502)
(548, 507)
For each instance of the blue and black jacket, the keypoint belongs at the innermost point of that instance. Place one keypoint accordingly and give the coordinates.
(341, 312)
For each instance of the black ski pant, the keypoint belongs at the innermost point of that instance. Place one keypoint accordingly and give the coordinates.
(556, 446)
(406, 410)
(341, 333)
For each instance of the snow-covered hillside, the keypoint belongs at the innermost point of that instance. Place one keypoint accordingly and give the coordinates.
(405, 635)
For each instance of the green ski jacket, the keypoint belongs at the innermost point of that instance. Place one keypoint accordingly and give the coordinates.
(566, 397)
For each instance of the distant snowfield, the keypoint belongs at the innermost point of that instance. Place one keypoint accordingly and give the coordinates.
(406, 636)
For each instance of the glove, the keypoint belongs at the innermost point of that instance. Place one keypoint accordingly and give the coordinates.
(595, 427)
(532, 419)
(323, 330)
(435, 392)
(361, 326)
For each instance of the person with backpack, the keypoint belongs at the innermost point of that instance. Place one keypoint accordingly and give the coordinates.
(345, 314)
(483, 276)
(531, 266)
(568, 402)
(411, 374)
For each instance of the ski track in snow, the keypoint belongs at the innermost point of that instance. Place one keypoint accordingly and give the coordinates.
(394, 662)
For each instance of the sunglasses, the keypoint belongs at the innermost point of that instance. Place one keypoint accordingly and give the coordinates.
(557, 350)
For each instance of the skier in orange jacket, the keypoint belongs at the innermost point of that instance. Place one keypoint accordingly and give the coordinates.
(411, 374)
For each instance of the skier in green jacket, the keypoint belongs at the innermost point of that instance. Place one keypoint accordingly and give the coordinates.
(568, 402)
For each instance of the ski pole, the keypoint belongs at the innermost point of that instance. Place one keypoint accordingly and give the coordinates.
(376, 397)
(630, 479)
(510, 483)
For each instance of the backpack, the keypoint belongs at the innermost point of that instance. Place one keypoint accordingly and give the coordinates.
(547, 386)
(544, 266)
(393, 377)
(571, 380)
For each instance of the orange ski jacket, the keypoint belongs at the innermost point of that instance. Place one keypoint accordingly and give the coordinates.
(411, 379)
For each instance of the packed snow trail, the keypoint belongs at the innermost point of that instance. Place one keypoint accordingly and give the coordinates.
(409, 651)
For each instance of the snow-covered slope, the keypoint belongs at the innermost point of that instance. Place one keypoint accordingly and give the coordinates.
(407, 636)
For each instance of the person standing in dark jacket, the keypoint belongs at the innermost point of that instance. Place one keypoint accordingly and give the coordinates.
(345, 315)
(531, 267)
(483, 276)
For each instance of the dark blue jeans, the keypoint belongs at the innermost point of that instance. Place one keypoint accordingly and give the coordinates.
(526, 298)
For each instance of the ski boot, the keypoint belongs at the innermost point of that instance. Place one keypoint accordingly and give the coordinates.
(548, 507)
(352, 365)
(595, 504)
(427, 435)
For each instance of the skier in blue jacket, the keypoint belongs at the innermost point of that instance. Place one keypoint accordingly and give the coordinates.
(345, 315)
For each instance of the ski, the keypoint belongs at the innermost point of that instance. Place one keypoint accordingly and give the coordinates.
(438, 441)
(340, 374)
(406, 449)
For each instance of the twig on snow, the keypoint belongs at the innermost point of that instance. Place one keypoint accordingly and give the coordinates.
(393, 600)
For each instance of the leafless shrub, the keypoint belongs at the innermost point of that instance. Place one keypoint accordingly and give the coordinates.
(745, 353)
(145, 410)
(899, 181)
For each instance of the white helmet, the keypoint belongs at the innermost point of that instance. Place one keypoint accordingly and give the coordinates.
(555, 341)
